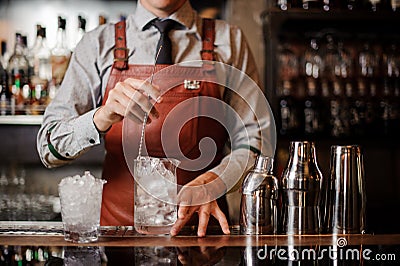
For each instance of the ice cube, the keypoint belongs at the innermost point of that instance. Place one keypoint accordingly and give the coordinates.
(160, 168)
(154, 163)
(80, 196)
(159, 219)
(150, 210)
(171, 217)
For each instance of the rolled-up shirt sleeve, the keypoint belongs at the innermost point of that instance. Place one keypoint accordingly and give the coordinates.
(68, 130)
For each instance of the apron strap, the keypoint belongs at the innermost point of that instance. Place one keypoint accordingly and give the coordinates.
(120, 50)
(207, 53)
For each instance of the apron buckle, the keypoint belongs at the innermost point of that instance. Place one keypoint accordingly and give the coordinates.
(121, 54)
(191, 84)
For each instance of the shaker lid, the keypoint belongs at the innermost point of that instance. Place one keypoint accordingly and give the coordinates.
(257, 176)
(263, 163)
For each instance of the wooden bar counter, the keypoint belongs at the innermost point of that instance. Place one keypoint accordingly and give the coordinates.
(233, 240)
(123, 245)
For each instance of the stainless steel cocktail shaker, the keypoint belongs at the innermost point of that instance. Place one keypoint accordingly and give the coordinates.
(346, 203)
(300, 190)
(258, 207)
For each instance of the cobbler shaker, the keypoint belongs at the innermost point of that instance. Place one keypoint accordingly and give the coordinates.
(301, 182)
(346, 191)
(258, 206)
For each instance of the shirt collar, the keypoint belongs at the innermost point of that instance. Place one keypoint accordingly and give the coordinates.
(184, 15)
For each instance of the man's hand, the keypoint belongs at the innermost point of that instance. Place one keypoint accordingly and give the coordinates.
(129, 98)
(200, 196)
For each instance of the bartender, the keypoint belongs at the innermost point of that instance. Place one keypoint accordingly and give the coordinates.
(107, 72)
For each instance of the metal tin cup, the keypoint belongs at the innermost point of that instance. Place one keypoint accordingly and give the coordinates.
(346, 202)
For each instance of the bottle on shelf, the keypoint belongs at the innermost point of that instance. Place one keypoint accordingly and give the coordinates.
(371, 110)
(373, 5)
(313, 4)
(4, 91)
(325, 106)
(395, 5)
(60, 54)
(369, 69)
(339, 120)
(368, 62)
(282, 4)
(289, 123)
(81, 29)
(42, 73)
(41, 57)
(312, 63)
(352, 5)
(379, 5)
(356, 107)
(345, 68)
(395, 117)
(386, 108)
(102, 20)
(331, 58)
(25, 45)
(19, 80)
(391, 62)
(328, 5)
(313, 124)
(288, 63)
(26, 53)
(35, 46)
(4, 56)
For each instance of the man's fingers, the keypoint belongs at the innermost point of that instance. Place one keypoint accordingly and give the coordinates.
(138, 120)
(183, 211)
(182, 220)
(115, 98)
(146, 87)
(204, 216)
(220, 216)
(137, 99)
(133, 100)
(185, 196)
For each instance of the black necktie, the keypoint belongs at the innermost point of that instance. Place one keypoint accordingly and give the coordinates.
(164, 26)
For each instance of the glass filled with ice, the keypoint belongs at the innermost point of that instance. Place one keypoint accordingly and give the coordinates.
(155, 194)
(80, 198)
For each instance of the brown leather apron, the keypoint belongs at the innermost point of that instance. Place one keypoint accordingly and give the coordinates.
(118, 194)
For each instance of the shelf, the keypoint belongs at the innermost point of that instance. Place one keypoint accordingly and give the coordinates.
(21, 120)
(379, 142)
(298, 13)
(357, 24)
